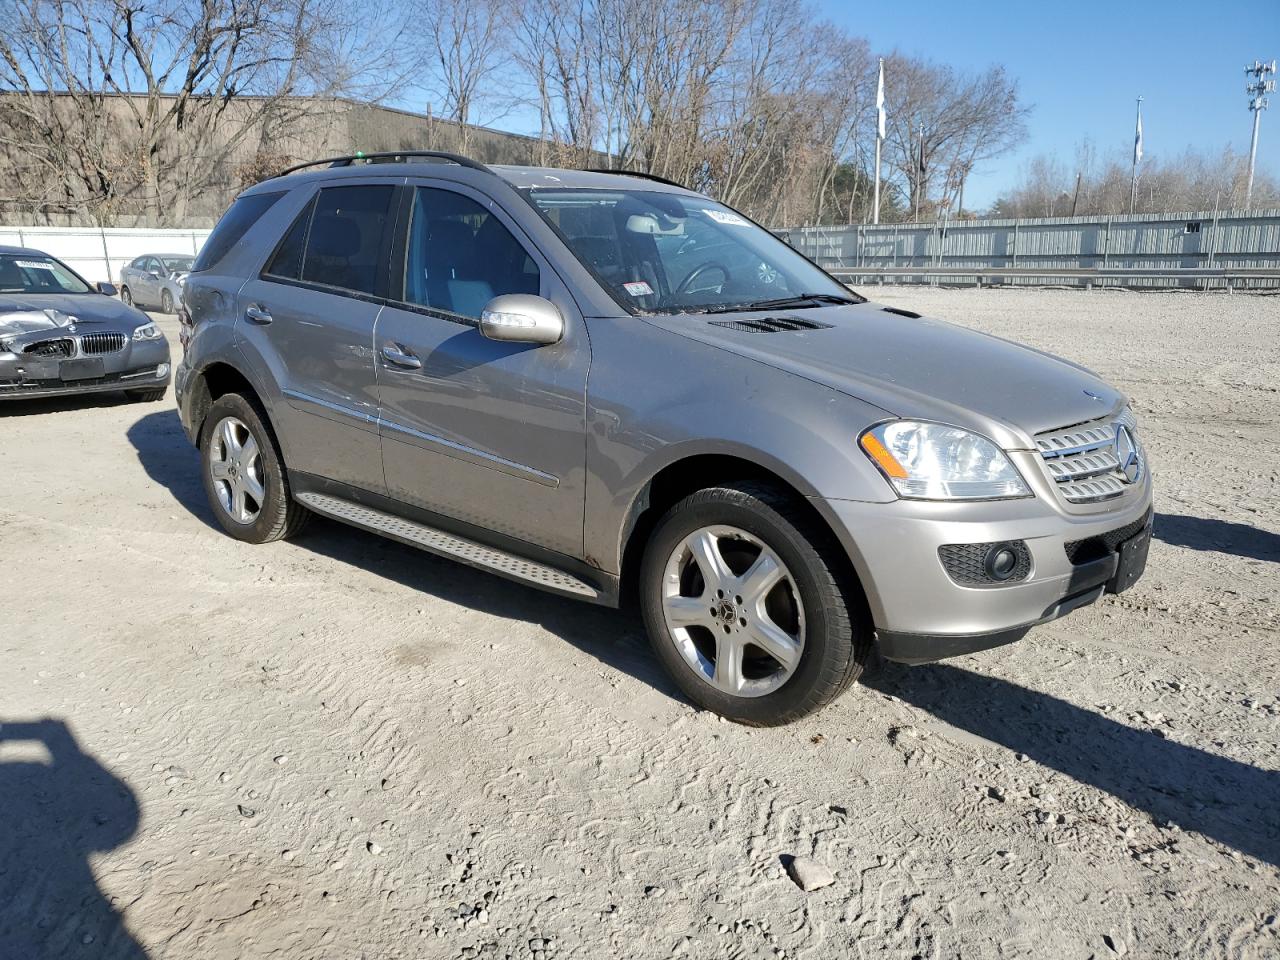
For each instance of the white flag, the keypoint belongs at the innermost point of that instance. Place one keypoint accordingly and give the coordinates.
(1137, 138)
(880, 118)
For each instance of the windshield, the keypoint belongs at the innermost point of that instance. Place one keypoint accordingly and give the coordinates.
(37, 274)
(177, 264)
(659, 252)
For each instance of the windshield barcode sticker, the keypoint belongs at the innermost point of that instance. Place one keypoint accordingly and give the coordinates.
(725, 217)
(638, 288)
(33, 264)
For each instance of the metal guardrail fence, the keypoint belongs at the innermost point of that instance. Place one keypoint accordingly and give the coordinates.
(1194, 250)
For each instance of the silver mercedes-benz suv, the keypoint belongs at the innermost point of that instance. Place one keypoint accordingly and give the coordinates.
(611, 387)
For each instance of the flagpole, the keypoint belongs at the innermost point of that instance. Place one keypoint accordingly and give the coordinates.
(1137, 155)
(875, 203)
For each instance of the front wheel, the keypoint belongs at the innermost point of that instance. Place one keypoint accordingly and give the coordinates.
(747, 605)
(243, 473)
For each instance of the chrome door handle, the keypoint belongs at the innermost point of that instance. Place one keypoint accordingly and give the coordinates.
(393, 354)
(257, 314)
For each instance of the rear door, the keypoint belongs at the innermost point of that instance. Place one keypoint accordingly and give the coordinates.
(488, 433)
(309, 314)
(148, 282)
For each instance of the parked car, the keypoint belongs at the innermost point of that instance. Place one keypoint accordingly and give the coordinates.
(59, 334)
(608, 386)
(154, 280)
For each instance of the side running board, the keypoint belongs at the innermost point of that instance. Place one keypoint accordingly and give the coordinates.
(449, 545)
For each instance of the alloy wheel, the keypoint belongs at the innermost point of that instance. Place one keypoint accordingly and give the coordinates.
(733, 610)
(235, 465)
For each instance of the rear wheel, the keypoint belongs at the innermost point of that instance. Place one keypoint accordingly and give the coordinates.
(166, 301)
(126, 296)
(747, 606)
(243, 473)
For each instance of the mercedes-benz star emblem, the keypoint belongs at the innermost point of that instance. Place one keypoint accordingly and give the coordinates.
(1127, 454)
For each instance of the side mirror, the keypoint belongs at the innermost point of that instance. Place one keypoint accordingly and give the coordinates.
(522, 318)
(107, 289)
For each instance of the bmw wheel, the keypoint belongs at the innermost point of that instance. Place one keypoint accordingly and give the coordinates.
(749, 607)
(244, 476)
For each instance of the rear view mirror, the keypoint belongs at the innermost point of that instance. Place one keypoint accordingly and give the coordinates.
(107, 289)
(522, 318)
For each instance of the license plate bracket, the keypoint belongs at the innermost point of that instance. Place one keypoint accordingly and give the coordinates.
(84, 369)
(1132, 561)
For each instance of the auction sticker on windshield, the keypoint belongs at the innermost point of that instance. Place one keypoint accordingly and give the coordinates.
(638, 288)
(33, 264)
(725, 217)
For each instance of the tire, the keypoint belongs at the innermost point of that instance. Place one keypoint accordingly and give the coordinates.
(820, 609)
(265, 510)
(126, 296)
(166, 301)
(145, 396)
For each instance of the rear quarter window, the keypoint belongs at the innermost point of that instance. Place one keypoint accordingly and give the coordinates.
(235, 223)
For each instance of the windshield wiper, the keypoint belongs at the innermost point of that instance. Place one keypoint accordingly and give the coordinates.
(795, 302)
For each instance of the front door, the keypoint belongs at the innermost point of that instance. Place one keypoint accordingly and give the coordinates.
(309, 317)
(487, 433)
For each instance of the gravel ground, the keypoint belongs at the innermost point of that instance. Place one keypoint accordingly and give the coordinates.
(339, 747)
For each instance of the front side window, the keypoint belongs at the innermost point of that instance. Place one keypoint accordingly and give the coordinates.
(37, 274)
(460, 256)
(243, 213)
(660, 252)
(346, 238)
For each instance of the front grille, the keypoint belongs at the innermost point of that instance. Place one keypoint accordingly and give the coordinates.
(1104, 544)
(95, 343)
(965, 563)
(51, 348)
(1082, 461)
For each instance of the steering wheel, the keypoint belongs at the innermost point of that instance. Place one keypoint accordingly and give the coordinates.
(698, 271)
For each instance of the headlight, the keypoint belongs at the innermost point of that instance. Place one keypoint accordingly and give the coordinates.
(932, 461)
(148, 331)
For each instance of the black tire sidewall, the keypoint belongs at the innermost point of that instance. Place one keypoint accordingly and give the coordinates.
(166, 302)
(265, 526)
(127, 296)
(828, 646)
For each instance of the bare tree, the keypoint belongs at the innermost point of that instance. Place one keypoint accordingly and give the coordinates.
(109, 102)
(461, 44)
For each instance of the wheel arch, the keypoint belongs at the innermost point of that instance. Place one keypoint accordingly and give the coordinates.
(687, 474)
(211, 382)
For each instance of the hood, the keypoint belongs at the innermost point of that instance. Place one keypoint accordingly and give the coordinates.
(34, 312)
(916, 367)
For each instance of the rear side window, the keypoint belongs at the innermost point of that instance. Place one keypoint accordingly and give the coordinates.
(235, 223)
(346, 243)
(460, 256)
(287, 261)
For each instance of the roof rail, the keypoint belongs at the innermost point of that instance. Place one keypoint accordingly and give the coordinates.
(636, 173)
(386, 157)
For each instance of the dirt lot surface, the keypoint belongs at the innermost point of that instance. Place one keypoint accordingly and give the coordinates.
(340, 747)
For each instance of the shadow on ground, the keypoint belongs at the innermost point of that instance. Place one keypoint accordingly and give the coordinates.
(1228, 801)
(57, 806)
(1223, 799)
(11, 406)
(614, 637)
(1223, 536)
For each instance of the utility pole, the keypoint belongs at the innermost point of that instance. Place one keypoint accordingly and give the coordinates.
(1076, 198)
(880, 132)
(1257, 91)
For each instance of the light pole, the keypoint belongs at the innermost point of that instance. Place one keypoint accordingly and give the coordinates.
(1257, 91)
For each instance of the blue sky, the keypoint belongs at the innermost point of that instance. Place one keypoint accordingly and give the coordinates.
(1082, 64)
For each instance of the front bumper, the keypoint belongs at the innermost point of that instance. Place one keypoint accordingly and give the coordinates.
(141, 365)
(922, 614)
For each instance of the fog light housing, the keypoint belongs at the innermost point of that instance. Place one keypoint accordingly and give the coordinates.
(162, 370)
(986, 564)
